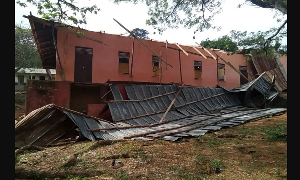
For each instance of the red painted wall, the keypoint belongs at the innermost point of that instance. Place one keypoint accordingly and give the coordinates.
(105, 61)
(283, 60)
(41, 93)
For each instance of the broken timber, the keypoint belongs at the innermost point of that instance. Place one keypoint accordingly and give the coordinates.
(142, 42)
(162, 118)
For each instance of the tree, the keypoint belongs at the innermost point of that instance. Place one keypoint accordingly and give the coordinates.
(198, 14)
(257, 44)
(224, 43)
(140, 33)
(63, 11)
(194, 13)
(26, 53)
(250, 43)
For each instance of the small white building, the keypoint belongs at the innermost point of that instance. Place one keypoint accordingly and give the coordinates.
(22, 75)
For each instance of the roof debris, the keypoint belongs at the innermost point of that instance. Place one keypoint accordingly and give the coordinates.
(194, 112)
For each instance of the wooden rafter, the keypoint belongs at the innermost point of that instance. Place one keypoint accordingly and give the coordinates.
(182, 49)
(199, 52)
(207, 51)
(142, 42)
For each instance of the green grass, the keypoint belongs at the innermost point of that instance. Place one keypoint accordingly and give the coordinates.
(266, 170)
(182, 173)
(216, 164)
(214, 142)
(80, 178)
(130, 147)
(199, 159)
(278, 172)
(121, 175)
(277, 133)
(247, 131)
(17, 159)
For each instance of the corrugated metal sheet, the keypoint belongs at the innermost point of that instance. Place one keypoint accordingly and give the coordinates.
(271, 67)
(196, 111)
(260, 84)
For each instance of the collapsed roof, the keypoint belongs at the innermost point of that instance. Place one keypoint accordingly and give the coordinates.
(168, 112)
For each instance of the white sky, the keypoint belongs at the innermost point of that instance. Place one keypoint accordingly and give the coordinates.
(247, 18)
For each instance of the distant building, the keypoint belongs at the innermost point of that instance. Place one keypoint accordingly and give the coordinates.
(22, 75)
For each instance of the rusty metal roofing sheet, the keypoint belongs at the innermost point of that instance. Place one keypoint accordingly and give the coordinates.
(271, 67)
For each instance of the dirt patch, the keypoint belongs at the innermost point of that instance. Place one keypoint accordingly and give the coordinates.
(248, 151)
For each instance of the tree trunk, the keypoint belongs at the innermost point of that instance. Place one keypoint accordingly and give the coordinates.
(49, 74)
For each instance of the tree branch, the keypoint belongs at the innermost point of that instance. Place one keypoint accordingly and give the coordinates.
(175, 7)
(278, 30)
(270, 4)
(203, 3)
(61, 11)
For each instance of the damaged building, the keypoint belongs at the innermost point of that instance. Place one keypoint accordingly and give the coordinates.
(112, 87)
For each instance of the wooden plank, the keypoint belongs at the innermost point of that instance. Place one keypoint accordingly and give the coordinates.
(188, 52)
(132, 56)
(182, 49)
(142, 42)
(160, 68)
(207, 51)
(228, 63)
(61, 71)
(199, 52)
(45, 42)
(166, 53)
(180, 67)
(184, 125)
(156, 124)
(163, 117)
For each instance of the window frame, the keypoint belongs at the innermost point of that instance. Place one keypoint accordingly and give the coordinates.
(155, 59)
(221, 66)
(196, 64)
(123, 57)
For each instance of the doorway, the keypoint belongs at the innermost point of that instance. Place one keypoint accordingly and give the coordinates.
(83, 65)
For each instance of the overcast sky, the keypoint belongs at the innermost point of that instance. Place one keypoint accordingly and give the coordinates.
(247, 18)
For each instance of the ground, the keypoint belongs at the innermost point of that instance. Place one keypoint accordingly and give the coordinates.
(19, 105)
(254, 150)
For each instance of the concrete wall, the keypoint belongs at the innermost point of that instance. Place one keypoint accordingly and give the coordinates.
(105, 61)
(78, 97)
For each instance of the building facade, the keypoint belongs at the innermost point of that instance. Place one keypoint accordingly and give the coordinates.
(24, 74)
(98, 57)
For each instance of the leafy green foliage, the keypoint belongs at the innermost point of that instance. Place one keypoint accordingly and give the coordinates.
(256, 44)
(140, 33)
(198, 14)
(61, 10)
(225, 43)
(169, 14)
(26, 53)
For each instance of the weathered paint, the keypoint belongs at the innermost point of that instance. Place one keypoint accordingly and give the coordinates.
(283, 60)
(62, 95)
(95, 109)
(65, 94)
(39, 93)
(105, 61)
